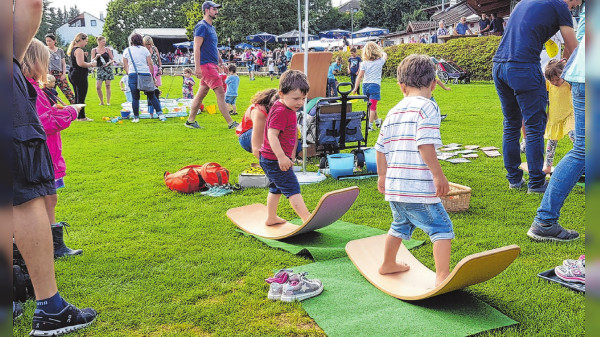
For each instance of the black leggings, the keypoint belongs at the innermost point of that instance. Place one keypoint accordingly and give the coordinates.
(80, 87)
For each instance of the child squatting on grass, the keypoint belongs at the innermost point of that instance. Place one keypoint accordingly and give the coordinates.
(279, 146)
(410, 175)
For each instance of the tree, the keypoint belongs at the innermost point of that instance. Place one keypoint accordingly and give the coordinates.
(417, 15)
(389, 13)
(123, 16)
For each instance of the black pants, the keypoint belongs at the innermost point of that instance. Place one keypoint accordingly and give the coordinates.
(353, 80)
(80, 87)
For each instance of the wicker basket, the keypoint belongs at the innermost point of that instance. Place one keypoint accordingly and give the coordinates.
(457, 199)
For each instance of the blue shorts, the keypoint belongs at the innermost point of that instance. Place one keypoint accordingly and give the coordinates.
(282, 182)
(230, 99)
(431, 218)
(372, 91)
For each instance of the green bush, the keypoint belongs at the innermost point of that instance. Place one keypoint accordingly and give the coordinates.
(472, 54)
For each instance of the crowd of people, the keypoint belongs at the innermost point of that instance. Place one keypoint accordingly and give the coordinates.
(269, 130)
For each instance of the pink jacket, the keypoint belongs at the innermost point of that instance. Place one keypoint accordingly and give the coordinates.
(53, 120)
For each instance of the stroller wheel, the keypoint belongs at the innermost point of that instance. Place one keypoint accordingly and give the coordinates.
(323, 163)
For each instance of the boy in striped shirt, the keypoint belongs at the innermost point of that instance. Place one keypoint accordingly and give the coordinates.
(410, 175)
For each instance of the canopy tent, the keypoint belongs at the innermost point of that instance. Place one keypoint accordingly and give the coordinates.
(244, 46)
(293, 37)
(223, 48)
(370, 31)
(186, 45)
(164, 38)
(262, 37)
(334, 34)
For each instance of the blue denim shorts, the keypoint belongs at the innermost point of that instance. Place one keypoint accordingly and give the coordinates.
(431, 218)
(230, 99)
(372, 91)
(282, 182)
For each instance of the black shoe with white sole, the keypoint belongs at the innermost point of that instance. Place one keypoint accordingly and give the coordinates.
(68, 320)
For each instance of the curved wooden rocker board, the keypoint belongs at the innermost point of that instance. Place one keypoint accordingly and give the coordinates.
(332, 206)
(419, 282)
(318, 65)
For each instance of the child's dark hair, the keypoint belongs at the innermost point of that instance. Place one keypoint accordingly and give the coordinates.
(353, 50)
(232, 68)
(265, 98)
(554, 69)
(293, 79)
(416, 70)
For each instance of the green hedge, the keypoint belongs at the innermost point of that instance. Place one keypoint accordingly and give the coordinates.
(472, 54)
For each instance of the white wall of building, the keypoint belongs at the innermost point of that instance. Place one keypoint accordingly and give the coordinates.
(90, 25)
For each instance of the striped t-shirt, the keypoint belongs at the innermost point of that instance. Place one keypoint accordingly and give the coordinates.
(412, 122)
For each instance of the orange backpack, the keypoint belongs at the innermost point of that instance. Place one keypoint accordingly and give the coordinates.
(214, 174)
(186, 180)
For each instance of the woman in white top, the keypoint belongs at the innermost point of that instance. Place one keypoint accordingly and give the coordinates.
(137, 56)
(370, 69)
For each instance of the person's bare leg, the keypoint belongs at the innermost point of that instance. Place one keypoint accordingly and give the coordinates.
(51, 201)
(34, 239)
(99, 91)
(223, 107)
(197, 102)
(297, 203)
(390, 250)
(272, 203)
(234, 109)
(372, 115)
(441, 255)
(107, 92)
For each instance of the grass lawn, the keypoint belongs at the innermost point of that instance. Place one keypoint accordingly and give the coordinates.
(159, 263)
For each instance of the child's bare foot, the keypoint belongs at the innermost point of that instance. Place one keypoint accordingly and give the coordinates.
(393, 268)
(440, 279)
(275, 221)
(547, 169)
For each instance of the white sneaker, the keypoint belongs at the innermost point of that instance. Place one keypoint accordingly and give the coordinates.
(378, 122)
(135, 120)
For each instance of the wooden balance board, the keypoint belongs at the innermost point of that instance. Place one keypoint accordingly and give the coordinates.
(525, 168)
(331, 207)
(318, 65)
(418, 283)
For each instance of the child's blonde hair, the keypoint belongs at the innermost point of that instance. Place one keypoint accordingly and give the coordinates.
(554, 68)
(188, 71)
(372, 51)
(35, 62)
(50, 79)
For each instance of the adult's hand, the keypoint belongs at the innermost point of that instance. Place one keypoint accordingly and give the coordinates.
(198, 73)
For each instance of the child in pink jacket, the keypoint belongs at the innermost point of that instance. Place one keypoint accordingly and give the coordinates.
(54, 120)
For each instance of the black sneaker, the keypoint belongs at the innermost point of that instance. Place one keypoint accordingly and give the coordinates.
(193, 125)
(233, 125)
(17, 310)
(68, 320)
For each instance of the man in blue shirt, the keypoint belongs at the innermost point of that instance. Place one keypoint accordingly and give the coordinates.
(484, 24)
(462, 28)
(207, 61)
(521, 85)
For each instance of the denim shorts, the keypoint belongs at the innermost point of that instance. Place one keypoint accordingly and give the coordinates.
(282, 182)
(230, 99)
(245, 140)
(431, 218)
(372, 91)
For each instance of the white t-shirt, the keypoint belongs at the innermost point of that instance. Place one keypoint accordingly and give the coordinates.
(552, 50)
(140, 55)
(373, 70)
(125, 80)
(412, 122)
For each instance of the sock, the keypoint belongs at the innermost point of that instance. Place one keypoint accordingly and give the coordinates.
(51, 305)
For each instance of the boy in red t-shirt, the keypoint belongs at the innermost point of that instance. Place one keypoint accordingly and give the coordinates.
(279, 146)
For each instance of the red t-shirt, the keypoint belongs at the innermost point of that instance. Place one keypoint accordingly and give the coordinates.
(284, 119)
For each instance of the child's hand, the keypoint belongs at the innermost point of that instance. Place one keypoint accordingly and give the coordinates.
(441, 185)
(285, 163)
(381, 184)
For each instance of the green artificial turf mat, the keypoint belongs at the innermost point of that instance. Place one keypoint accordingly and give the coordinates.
(329, 242)
(351, 306)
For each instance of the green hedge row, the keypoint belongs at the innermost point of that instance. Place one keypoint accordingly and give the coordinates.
(472, 54)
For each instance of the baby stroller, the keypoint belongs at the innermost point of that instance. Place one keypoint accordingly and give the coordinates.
(338, 128)
(448, 70)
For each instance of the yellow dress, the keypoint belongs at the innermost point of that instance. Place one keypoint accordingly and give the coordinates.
(560, 111)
